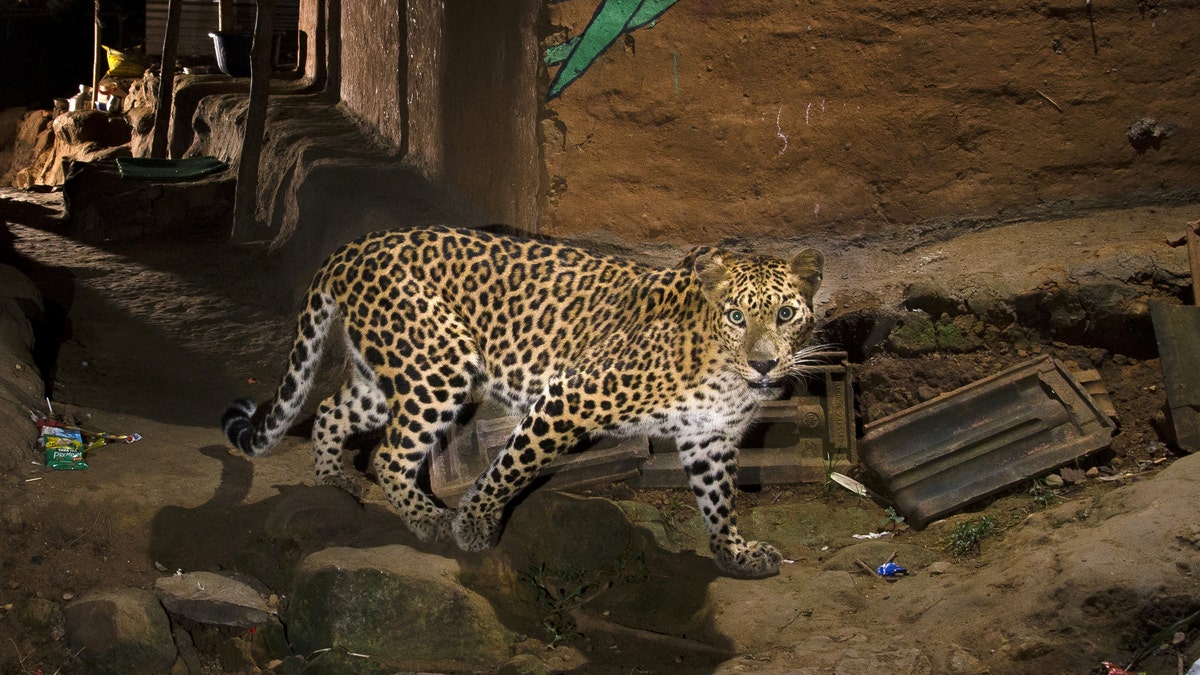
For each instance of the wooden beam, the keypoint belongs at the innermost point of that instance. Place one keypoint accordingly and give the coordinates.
(245, 200)
(166, 85)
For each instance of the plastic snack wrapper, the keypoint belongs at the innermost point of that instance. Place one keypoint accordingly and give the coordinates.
(63, 446)
(66, 447)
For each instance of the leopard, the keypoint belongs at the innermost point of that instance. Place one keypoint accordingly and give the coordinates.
(578, 344)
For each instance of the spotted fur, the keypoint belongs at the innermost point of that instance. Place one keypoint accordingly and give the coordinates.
(580, 344)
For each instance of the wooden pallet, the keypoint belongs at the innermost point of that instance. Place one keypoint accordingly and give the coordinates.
(795, 440)
(474, 446)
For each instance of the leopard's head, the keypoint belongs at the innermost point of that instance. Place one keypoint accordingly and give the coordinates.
(765, 307)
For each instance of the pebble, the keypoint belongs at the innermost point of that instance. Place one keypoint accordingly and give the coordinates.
(939, 567)
(1072, 475)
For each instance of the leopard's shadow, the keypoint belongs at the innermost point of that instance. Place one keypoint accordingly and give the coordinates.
(546, 530)
(227, 533)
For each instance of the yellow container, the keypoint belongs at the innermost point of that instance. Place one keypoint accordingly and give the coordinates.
(121, 64)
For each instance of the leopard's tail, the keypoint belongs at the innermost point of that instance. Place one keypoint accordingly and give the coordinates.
(257, 437)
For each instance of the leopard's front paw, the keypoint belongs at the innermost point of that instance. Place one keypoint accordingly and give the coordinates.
(755, 560)
(476, 532)
(434, 525)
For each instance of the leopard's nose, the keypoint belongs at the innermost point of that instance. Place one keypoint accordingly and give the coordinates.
(764, 367)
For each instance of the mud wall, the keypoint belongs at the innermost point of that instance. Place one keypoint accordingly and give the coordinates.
(452, 85)
(490, 106)
(373, 65)
(766, 118)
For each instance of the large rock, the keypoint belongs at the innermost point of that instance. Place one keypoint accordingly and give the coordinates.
(85, 136)
(392, 601)
(32, 150)
(561, 554)
(121, 631)
(207, 597)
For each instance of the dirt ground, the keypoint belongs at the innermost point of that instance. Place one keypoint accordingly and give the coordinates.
(156, 337)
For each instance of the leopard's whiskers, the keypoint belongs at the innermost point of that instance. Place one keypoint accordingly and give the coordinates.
(812, 355)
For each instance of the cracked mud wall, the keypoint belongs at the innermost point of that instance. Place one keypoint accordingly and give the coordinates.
(760, 118)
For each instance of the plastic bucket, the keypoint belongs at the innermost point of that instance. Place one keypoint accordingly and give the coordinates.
(233, 52)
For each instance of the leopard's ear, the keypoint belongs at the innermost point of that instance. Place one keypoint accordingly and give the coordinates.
(809, 265)
(689, 260)
(709, 267)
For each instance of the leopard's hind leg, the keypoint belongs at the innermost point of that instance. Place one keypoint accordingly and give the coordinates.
(360, 406)
(420, 412)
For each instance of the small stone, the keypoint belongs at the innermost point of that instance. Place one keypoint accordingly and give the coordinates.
(1071, 476)
(1092, 472)
(939, 567)
(926, 392)
(1053, 481)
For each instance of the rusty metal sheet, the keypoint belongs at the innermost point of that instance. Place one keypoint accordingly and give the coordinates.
(991, 435)
(1177, 331)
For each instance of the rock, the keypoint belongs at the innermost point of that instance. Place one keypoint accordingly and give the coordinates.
(1070, 475)
(546, 530)
(120, 631)
(14, 284)
(40, 613)
(1054, 481)
(558, 545)
(340, 662)
(918, 334)
(524, 664)
(206, 597)
(991, 304)
(857, 321)
(392, 601)
(91, 128)
(679, 535)
(85, 136)
(32, 149)
(939, 567)
(187, 650)
(926, 392)
(959, 661)
(931, 298)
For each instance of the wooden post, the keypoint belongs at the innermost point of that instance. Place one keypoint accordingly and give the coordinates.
(224, 15)
(245, 198)
(96, 49)
(166, 85)
(1192, 236)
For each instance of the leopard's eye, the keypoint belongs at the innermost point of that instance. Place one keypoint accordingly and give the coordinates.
(736, 316)
(786, 314)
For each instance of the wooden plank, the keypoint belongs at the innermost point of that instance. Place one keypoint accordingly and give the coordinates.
(166, 83)
(473, 448)
(756, 466)
(1177, 331)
